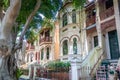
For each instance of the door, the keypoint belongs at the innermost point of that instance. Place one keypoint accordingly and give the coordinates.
(113, 43)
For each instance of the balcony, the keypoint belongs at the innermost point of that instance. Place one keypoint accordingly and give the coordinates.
(30, 47)
(90, 21)
(107, 13)
(45, 39)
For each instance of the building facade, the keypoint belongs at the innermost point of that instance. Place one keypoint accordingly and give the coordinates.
(69, 31)
(91, 34)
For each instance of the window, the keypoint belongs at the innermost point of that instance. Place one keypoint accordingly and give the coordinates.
(95, 41)
(108, 4)
(31, 57)
(74, 46)
(47, 53)
(74, 16)
(28, 58)
(64, 19)
(42, 54)
(93, 12)
(36, 56)
(65, 47)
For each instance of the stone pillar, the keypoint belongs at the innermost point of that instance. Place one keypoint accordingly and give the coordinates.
(34, 74)
(98, 25)
(51, 54)
(29, 57)
(29, 72)
(69, 18)
(44, 58)
(75, 64)
(117, 20)
(70, 47)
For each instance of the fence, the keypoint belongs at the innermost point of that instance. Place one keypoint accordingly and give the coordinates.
(108, 72)
(84, 73)
(44, 73)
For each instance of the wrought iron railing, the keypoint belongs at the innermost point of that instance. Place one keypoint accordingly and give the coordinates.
(91, 62)
(30, 47)
(46, 39)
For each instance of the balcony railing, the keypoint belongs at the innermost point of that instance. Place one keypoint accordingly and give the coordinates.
(91, 62)
(107, 13)
(90, 21)
(46, 39)
(30, 47)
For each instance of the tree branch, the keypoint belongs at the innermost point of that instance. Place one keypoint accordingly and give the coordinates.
(30, 19)
(9, 18)
(37, 6)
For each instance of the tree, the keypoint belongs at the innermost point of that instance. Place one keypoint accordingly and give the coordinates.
(19, 16)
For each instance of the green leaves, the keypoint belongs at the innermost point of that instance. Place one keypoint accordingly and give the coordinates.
(31, 36)
(48, 8)
(19, 73)
(79, 3)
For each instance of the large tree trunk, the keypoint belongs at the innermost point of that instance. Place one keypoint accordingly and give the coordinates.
(7, 59)
(9, 19)
(7, 48)
(8, 68)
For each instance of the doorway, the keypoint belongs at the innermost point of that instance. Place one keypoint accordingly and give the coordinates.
(113, 44)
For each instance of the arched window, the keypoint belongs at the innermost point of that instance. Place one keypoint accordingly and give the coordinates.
(74, 46)
(42, 54)
(48, 54)
(64, 19)
(65, 47)
(74, 16)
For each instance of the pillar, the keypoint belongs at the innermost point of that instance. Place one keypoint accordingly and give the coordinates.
(98, 25)
(29, 72)
(44, 54)
(75, 64)
(117, 19)
(34, 74)
(70, 47)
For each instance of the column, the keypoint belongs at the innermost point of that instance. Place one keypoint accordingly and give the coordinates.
(29, 72)
(98, 25)
(29, 57)
(75, 64)
(69, 18)
(34, 75)
(117, 19)
(70, 47)
(44, 54)
(51, 54)
(78, 48)
(61, 52)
